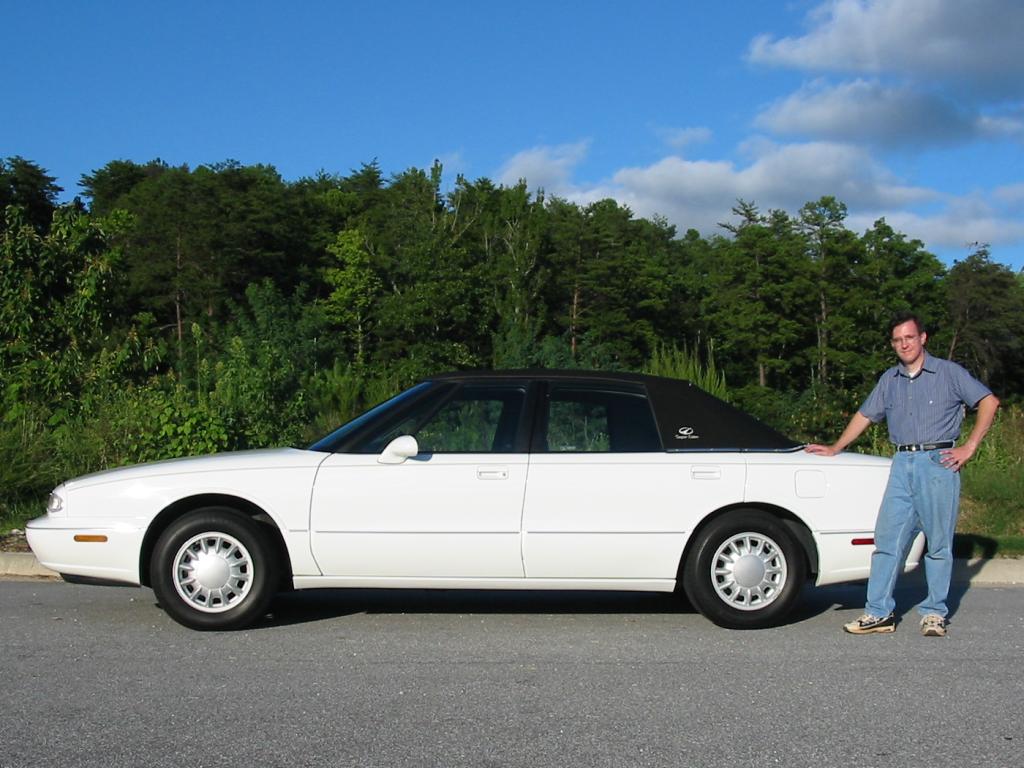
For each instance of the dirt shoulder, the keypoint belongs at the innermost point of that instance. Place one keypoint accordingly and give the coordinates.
(14, 541)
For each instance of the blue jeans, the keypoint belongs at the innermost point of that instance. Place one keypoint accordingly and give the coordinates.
(922, 495)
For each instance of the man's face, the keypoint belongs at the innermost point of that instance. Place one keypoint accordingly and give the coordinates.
(909, 343)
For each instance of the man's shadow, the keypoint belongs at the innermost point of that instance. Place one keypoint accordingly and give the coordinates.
(970, 551)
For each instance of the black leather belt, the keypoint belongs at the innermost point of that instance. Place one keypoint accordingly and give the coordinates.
(926, 446)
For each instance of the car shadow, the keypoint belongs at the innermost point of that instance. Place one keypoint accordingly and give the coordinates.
(308, 606)
(314, 605)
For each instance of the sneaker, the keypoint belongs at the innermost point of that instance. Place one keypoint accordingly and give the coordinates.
(867, 624)
(933, 625)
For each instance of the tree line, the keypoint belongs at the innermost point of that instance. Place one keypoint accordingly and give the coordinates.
(170, 310)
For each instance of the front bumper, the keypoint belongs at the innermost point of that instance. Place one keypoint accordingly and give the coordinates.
(93, 549)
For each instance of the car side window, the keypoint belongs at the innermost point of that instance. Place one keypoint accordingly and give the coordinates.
(583, 419)
(478, 418)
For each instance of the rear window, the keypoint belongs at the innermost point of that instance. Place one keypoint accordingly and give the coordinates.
(591, 419)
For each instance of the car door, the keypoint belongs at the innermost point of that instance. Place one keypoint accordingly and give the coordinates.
(453, 510)
(605, 500)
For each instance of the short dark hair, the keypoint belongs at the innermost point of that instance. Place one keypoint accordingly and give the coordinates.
(906, 317)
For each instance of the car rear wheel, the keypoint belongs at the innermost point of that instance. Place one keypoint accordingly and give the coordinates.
(745, 571)
(213, 569)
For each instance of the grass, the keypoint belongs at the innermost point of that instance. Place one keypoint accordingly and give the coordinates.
(992, 505)
(991, 512)
(970, 545)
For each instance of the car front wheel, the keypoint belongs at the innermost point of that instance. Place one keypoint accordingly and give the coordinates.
(745, 571)
(213, 569)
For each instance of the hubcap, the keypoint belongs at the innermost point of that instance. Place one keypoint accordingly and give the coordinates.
(213, 572)
(748, 571)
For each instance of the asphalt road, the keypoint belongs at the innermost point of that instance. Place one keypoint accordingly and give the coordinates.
(99, 676)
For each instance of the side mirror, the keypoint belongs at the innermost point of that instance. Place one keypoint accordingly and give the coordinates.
(398, 450)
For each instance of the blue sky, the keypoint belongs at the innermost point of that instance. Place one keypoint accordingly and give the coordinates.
(908, 109)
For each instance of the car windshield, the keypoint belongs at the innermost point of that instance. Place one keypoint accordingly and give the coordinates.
(338, 436)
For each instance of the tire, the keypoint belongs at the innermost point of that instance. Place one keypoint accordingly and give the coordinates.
(745, 571)
(214, 569)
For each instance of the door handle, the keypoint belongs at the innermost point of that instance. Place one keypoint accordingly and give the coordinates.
(706, 473)
(492, 473)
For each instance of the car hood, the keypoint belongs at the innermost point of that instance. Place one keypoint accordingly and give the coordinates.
(265, 458)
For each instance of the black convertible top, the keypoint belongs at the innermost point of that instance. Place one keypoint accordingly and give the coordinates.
(688, 418)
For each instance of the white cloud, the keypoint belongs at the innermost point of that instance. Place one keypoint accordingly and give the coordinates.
(545, 167)
(874, 113)
(975, 44)
(954, 228)
(930, 73)
(1001, 127)
(926, 73)
(679, 138)
(700, 194)
(1011, 195)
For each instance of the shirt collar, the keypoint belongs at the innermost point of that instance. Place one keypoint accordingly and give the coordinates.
(928, 365)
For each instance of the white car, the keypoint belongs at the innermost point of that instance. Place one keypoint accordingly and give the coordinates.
(513, 480)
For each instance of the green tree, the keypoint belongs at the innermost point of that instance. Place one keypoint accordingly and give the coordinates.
(896, 274)
(270, 352)
(756, 302)
(55, 306)
(986, 314)
(611, 283)
(512, 248)
(563, 293)
(355, 287)
(434, 311)
(107, 186)
(834, 252)
(324, 206)
(25, 184)
(200, 237)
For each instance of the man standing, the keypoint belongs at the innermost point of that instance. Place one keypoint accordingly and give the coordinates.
(923, 402)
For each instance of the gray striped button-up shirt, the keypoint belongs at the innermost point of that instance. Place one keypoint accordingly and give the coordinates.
(926, 408)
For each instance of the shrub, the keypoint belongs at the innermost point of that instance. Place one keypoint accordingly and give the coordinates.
(682, 363)
(993, 482)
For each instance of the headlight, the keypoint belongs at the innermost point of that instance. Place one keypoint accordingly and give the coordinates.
(55, 504)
